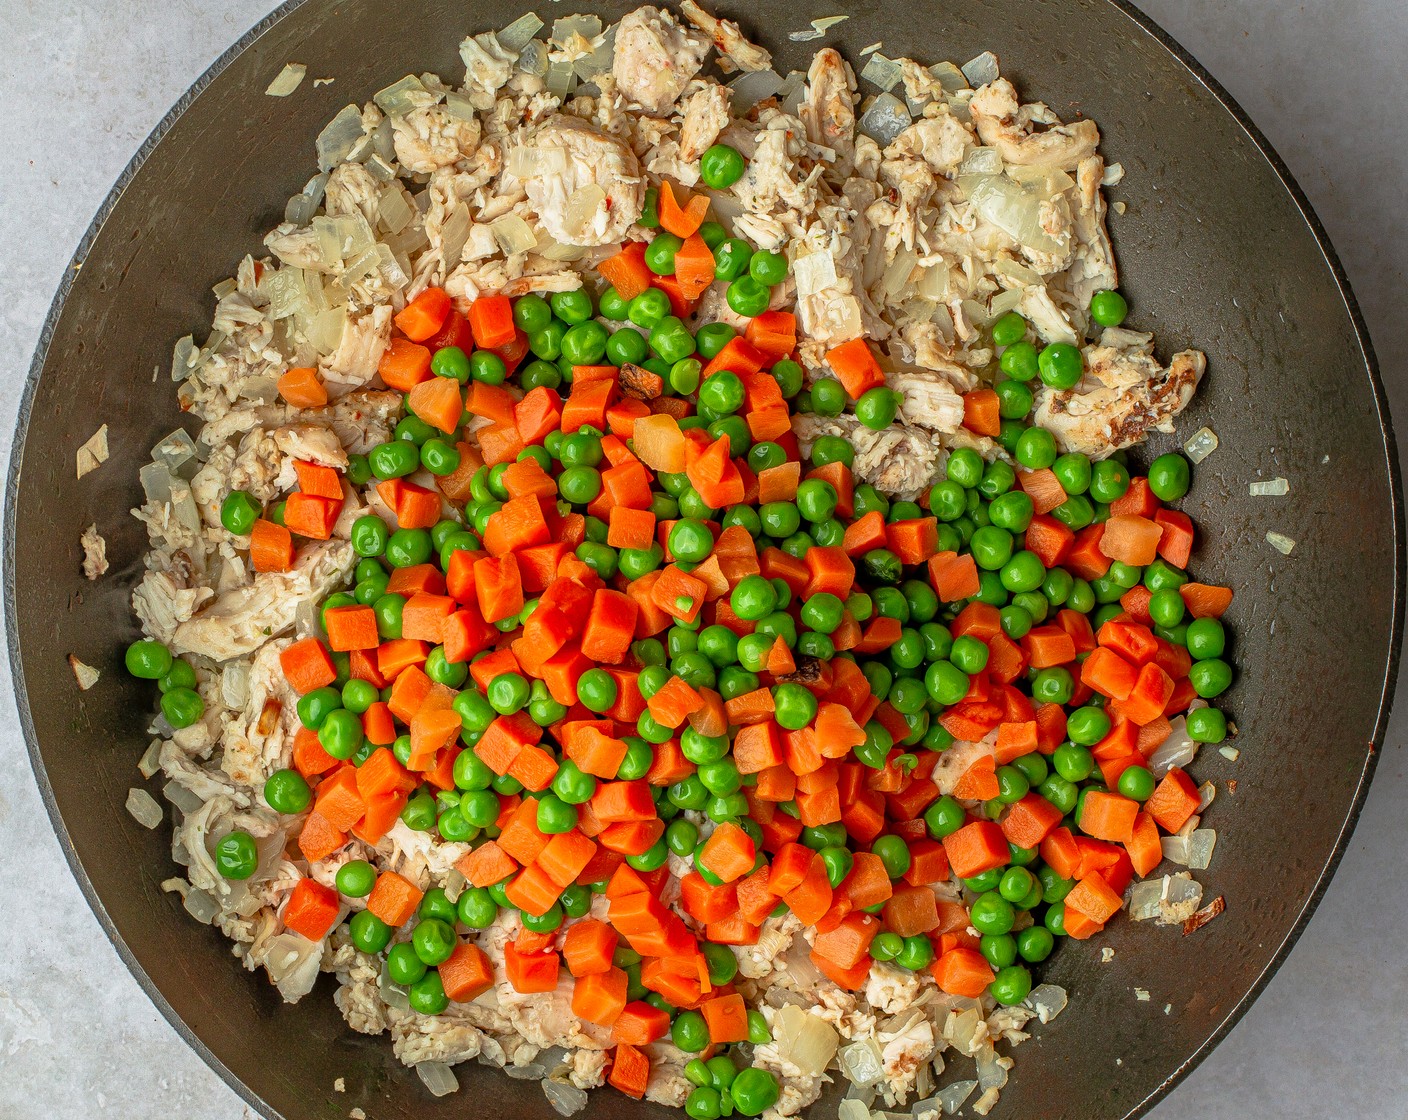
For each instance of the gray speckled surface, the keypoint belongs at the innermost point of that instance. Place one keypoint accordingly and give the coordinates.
(85, 84)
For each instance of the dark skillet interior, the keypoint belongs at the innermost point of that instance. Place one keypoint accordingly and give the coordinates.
(1215, 252)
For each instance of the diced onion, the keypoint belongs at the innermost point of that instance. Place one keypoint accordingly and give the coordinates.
(439, 1079)
(534, 59)
(403, 97)
(1200, 846)
(805, 1040)
(1014, 209)
(1048, 1001)
(513, 234)
(526, 162)
(949, 77)
(1272, 488)
(287, 80)
(862, 1062)
(454, 233)
(517, 35)
(1229, 753)
(804, 36)
(885, 119)
(394, 208)
(339, 135)
(1280, 542)
(883, 72)
(751, 87)
(953, 1096)
(1179, 749)
(982, 70)
(460, 105)
(150, 762)
(582, 208)
(1200, 445)
(565, 1098)
(144, 808)
(789, 94)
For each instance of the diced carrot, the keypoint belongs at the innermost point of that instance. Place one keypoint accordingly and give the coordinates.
(1176, 536)
(640, 1024)
(962, 972)
(1174, 800)
(1131, 540)
(728, 853)
(486, 865)
(630, 1069)
(1093, 897)
(774, 333)
(467, 973)
(312, 909)
(1205, 600)
(318, 838)
(627, 271)
(306, 665)
(303, 388)
(423, 316)
(1049, 539)
(954, 577)
(270, 547)
(438, 402)
(1108, 816)
(855, 367)
(1109, 674)
(694, 266)
(394, 899)
(980, 413)
(979, 781)
(531, 973)
(681, 220)
(727, 1019)
(404, 365)
(911, 910)
(976, 847)
(1047, 646)
(1084, 557)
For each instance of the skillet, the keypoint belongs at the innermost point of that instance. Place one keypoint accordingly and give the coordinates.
(1218, 249)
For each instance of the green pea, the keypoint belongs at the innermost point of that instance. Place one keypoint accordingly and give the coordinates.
(1009, 329)
(239, 511)
(754, 1091)
(886, 946)
(1108, 308)
(287, 791)
(768, 267)
(369, 933)
(796, 705)
(731, 259)
(877, 407)
(893, 853)
(747, 296)
(689, 1032)
(660, 253)
(147, 659)
(355, 878)
(1060, 365)
(721, 166)
(1020, 361)
(1108, 480)
(236, 855)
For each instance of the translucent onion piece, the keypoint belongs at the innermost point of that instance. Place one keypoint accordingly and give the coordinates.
(1201, 444)
(1229, 753)
(1207, 793)
(335, 142)
(527, 162)
(751, 87)
(883, 72)
(981, 70)
(805, 1040)
(565, 1098)
(439, 1079)
(530, 1072)
(517, 35)
(1280, 542)
(1048, 1001)
(534, 59)
(1272, 488)
(287, 80)
(156, 482)
(150, 762)
(1179, 749)
(949, 76)
(804, 36)
(952, 1097)
(201, 906)
(562, 78)
(394, 208)
(1200, 846)
(454, 233)
(584, 205)
(144, 808)
(588, 27)
(599, 61)
(175, 450)
(183, 356)
(513, 234)
(886, 118)
(862, 1062)
(789, 94)
(403, 97)
(292, 963)
(852, 1109)
(1014, 209)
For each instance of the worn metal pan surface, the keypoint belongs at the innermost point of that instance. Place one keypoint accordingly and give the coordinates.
(1219, 249)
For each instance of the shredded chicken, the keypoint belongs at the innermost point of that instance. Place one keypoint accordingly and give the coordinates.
(95, 552)
(655, 58)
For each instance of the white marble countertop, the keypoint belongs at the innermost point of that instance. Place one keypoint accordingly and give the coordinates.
(85, 84)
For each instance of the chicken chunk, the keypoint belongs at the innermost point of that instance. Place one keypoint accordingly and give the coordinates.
(1007, 126)
(1124, 394)
(354, 362)
(930, 401)
(593, 165)
(655, 57)
(902, 461)
(829, 109)
(240, 621)
(706, 114)
(430, 138)
(728, 39)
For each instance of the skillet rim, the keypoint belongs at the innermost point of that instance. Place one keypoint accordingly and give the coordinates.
(1126, 8)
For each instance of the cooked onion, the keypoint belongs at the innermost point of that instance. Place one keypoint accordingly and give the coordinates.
(1201, 444)
(517, 35)
(1280, 542)
(287, 80)
(1272, 488)
(751, 87)
(335, 142)
(885, 119)
(805, 1040)
(981, 70)
(881, 71)
(144, 808)
(439, 1078)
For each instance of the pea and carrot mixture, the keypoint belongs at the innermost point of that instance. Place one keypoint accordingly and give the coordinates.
(660, 673)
